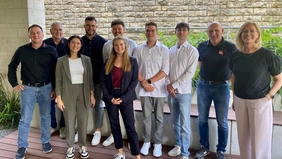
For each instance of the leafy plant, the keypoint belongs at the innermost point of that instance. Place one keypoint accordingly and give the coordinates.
(9, 105)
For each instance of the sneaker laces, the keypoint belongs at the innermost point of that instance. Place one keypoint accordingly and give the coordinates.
(176, 148)
(21, 150)
(83, 149)
(220, 155)
(119, 156)
(203, 150)
(70, 150)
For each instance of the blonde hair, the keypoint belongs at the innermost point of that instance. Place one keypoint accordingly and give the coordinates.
(126, 64)
(238, 40)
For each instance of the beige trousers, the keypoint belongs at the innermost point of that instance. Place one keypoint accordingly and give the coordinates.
(254, 126)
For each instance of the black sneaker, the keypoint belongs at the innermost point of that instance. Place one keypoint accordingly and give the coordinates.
(20, 153)
(47, 147)
(220, 155)
(70, 153)
(83, 152)
(202, 153)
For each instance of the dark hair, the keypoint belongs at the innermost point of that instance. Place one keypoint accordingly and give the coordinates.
(33, 26)
(116, 22)
(151, 23)
(90, 18)
(81, 49)
(182, 25)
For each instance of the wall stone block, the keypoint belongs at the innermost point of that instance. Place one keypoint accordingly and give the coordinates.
(167, 13)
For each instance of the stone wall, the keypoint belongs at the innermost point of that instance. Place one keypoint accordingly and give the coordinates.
(167, 13)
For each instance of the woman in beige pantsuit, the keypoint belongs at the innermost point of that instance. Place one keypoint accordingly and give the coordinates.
(74, 88)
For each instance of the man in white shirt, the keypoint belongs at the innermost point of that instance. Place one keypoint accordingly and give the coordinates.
(118, 29)
(153, 60)
(183, 60)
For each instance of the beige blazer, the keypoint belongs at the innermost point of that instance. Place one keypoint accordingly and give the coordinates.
(63, 81)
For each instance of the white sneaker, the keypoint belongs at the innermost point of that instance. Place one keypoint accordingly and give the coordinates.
(175, 151)
(96, 138)
(145, 148)
(109, 141)
(52, 130)
(83, 152)
(184, 157)
(70, 153)
(119, 156)
(157, 152)
(76, 138)
(62, 133)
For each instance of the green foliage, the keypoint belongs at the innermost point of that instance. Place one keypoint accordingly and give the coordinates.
(9, 105)
(271, 39)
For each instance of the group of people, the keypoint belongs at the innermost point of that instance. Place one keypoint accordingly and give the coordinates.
(91, 69)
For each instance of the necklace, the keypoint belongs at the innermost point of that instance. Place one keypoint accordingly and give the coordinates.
(247, 55)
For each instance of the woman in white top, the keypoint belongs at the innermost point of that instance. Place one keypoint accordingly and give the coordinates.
(74, 88)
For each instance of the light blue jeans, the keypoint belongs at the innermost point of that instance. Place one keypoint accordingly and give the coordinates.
(29, 97)
(180, 113)
(219, 94)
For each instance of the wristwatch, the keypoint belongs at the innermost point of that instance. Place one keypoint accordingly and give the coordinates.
(149, 81)
(271, 95)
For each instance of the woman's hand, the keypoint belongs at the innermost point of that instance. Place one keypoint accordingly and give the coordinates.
(233, 106)
(60, 104)
(93, 101)
(116, 101)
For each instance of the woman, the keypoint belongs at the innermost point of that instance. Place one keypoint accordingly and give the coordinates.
(119, 78)
(253, 66)
(74, 88)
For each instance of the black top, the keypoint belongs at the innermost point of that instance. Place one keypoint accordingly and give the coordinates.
(216, 60)
(37, 66)
(93, 48)
(252, 72)
(61, 47)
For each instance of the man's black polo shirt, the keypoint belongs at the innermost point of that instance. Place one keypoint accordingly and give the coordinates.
(216, 60)
(61, 47)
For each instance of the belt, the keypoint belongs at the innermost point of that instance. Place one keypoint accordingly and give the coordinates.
(116, 88)
(214, 82)
(36, 84)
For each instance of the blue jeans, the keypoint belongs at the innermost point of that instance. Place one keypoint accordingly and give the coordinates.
(29, 97)
(219, 94)
(180, 113)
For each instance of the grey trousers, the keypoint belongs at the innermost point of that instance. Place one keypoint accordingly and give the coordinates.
(79, 113)
(98, 110)
(157, 104)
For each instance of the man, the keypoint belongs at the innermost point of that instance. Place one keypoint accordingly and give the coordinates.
(183, 59)
(93, 45)
(118, 29)
(214, 63)
(38, 62)
(59, 43)
(153, 60)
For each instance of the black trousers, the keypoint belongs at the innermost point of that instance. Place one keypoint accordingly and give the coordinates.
(127, 113)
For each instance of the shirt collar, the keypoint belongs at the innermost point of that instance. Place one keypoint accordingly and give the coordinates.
(210, 44)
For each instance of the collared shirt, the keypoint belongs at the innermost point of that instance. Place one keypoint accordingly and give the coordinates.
(151, 61)
(108, 47)
(61, 47)
(93, 49)
(37, 65)
(216, 60)
(183, 63)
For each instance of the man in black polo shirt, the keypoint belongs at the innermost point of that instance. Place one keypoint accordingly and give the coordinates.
(93, 45)
(38, 61)
(58, 42)
(215, 72)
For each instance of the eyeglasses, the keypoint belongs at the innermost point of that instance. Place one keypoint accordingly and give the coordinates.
(249, 31)
(181, 30)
